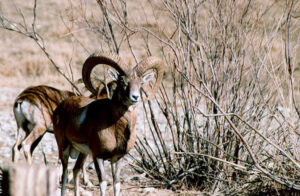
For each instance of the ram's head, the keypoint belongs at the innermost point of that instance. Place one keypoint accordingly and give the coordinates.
(130, 79)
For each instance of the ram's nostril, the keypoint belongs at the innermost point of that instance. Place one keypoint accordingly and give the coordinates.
(135, 97)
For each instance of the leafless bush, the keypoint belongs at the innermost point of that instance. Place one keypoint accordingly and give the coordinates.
(230, 111)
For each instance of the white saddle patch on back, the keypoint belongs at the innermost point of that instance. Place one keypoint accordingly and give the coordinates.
(79, 119)
(83, 148)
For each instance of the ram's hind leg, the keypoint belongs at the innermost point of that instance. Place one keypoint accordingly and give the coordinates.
(85, 175)
(32, 140)
(76, 171)
(15, 148)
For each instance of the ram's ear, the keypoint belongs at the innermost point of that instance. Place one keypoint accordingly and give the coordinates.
(113, 74)
(148, 77)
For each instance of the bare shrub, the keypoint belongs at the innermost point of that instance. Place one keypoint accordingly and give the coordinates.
(232, 124)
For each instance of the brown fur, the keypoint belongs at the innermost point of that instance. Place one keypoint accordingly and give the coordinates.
(115, 136)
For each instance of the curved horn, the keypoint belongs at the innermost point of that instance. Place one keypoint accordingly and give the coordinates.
(148, 64)
(101, 58)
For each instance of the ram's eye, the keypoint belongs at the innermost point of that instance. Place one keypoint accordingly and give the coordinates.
(124, 82)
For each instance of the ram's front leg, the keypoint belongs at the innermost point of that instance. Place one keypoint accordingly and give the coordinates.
(99, 166)
(64, 157)
(115, 170)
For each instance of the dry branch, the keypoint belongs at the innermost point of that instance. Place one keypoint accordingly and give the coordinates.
(35, 36)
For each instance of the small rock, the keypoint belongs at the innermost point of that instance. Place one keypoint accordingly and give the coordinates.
(148, 190)
(86, 193)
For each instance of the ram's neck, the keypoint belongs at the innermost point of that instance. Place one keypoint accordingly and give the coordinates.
(118, 109)
(103, 113)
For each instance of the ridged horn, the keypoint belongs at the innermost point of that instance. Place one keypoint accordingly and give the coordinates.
(148, 64)
(101, 58)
